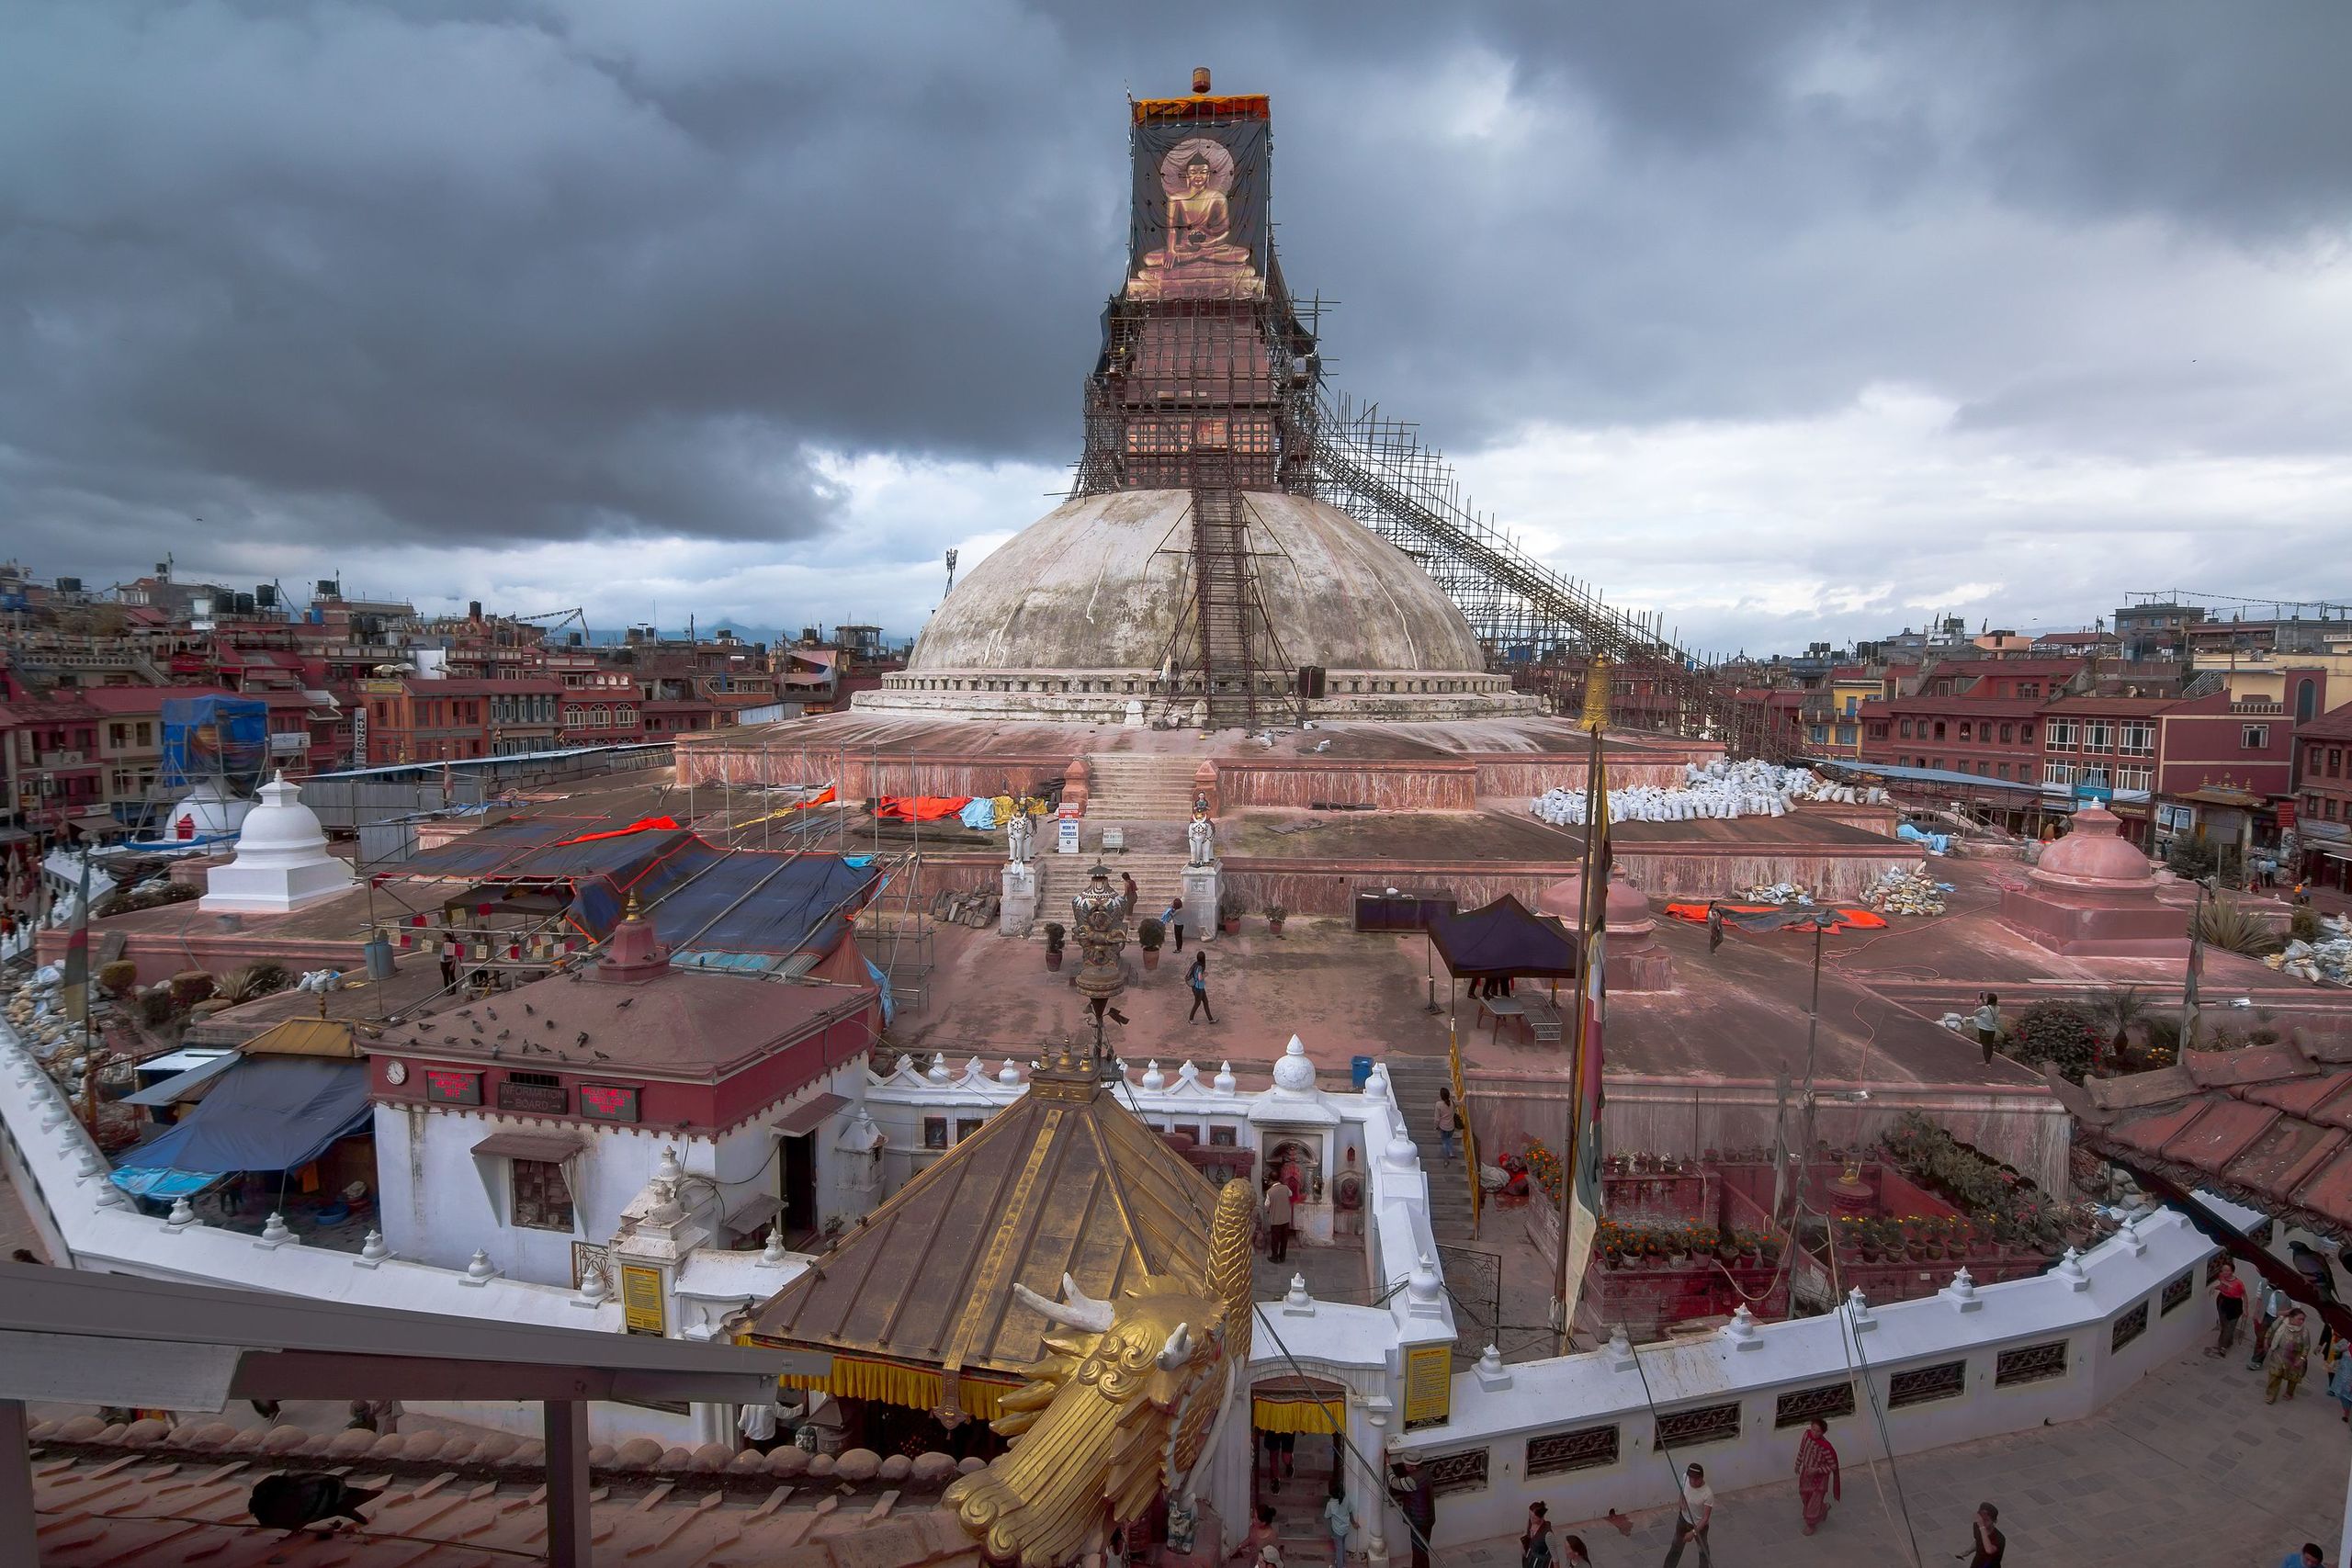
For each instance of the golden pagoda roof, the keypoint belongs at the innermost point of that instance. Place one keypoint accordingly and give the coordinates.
(1064, 1180)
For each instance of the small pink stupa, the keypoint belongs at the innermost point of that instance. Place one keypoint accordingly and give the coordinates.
(2094, 896)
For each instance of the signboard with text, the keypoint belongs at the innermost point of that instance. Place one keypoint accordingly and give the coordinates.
(1429, 1385)
(641, 1300)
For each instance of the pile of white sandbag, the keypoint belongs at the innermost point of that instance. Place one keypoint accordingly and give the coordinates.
(1718, 790)
(1787, 894)
(1900, 892)
(2327, 962)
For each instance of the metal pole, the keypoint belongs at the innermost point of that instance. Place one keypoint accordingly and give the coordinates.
(1573, 1153)
(2188, 983)
(565, 1427)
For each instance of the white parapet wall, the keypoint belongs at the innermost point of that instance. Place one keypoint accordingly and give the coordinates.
(86, 1223)
(1611, 1429)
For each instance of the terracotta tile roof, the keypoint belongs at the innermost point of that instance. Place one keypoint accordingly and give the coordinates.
(2336, 726)
(2270, 1126)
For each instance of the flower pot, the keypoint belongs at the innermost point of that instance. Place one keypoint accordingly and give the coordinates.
(1151, 958)
(1275, 926)
(1052, 958)
(1229, 927)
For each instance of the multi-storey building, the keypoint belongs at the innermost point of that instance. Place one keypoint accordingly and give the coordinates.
(415, 718)
(2324, 798)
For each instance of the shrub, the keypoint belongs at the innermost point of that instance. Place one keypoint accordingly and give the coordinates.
(117, 977)
(1151, 934)
(2059, 1034)
(155, 1008)
(1055, 934)
(2234, 927)
(2191, 860)
(189, 988)
(2303, 924)
(253, 980)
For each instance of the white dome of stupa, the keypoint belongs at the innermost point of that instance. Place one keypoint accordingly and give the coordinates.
(206, 812)
(282, 858)
(1293, 1070)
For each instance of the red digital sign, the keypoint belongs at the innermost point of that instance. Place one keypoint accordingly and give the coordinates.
(602, 1102)
(443, 1087)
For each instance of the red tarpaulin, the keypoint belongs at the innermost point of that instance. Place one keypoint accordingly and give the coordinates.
(642, 824)
(921, 807)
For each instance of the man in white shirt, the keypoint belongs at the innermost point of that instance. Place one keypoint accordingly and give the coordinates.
(1698, 1512)
(1278, 1220)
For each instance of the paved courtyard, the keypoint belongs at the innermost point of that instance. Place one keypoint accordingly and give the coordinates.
(2188, 1470)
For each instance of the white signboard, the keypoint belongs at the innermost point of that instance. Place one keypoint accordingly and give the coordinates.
(1065, 842)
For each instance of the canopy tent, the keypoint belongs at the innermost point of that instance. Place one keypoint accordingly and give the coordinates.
(269, 1113)
(1505, 940)
(186, 1084)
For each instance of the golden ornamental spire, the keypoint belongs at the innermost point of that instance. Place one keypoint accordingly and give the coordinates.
(1596, 697)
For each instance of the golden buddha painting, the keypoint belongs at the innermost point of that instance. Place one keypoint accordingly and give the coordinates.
(1193, 246)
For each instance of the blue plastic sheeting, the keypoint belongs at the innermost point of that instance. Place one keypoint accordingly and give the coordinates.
(882, 984)
(221, 738)
(1937, 843)
(754, 902)
(486, 850)
(271, 1113)
(166, 1183)
(979, 812)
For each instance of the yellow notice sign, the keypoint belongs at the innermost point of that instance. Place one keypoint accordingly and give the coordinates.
(1429, 1385)
(641, 1299)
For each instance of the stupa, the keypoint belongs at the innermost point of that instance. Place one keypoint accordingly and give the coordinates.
(2094, 896)
(282, 862)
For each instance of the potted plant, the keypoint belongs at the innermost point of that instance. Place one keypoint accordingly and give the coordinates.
(1229, 910)
(1053, 935)
(1275, 915)
(1149, 935)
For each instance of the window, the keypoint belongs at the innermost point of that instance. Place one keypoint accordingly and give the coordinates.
(2025, 733)
(967, 1125)
(2060, 734)
(2003, 769)
(2029, 1364)
(2062, 774)
(1828, 1402)
(2094, 776)
(1966, 730)
(2254, 737)
(2334, 759)
(2130, 1326)
(2099, 735)
(2177, 1295)
(1456, 1472)
(1224, 1137)
(2135, 778)
(935, 1131)
(1878, 730)
(2028, 688)
(542, 1201)
(1940, 729)
(118, 736)
(1708, 1424)
(2137, 738)
(1844, 735)
(1924, 1385)
(1904, 729)
(1820, 733)
(146, 733)
(1588, 1448)
(2008, 733)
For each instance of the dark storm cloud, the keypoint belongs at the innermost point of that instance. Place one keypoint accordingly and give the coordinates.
(454, 273)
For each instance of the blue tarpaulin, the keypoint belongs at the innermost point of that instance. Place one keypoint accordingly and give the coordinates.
(979, 812)
(269, 1113)
(223, 740)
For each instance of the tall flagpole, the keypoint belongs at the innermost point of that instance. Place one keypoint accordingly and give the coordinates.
(1595, 825)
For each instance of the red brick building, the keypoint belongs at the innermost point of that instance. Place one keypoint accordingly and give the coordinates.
(1979, 716)
(417, 719)
(2324, 798)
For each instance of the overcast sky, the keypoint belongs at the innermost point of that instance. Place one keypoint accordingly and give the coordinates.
(1791, 321)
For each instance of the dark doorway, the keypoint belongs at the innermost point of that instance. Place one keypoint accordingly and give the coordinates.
(800, 1184)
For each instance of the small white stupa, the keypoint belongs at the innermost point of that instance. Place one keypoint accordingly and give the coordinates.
(206, 813)
(282, 861)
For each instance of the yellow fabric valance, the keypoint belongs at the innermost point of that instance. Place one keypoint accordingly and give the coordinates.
(895, 1382)
(1316, 1417)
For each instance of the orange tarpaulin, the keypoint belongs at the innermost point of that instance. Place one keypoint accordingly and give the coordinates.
(1848, 919)
(643, 823)
(921, 807)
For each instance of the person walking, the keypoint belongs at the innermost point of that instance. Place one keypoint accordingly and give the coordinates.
(2285, 1356)
(1416, 1503)
(2339, 1379)
(1447, 1122)
(1985, 1541)
(1261, 1535)
(1818, 1477)
(1535, 1541)
(1127, 883)
(1574, 1554)
(1697, 1513)
(1197, 976)
(1278, 1215)
(1988, 1025)
(1339, 1522)
(2229, 1306)
(2273, 1302)
(1172, 917)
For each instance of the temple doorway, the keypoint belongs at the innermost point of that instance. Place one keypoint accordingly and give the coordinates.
(1296, 1424)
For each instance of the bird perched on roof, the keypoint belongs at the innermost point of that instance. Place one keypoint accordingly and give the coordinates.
(546, 1023)
(494, 1013)
(504, 1033)
(598, 1055)
(529, 1009)
(623, 1002)
(580, 1039)
(294, 1501)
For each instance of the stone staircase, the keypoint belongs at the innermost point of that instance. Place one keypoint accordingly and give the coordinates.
(1415, 1080)
(1138, 786)
(1158, 878)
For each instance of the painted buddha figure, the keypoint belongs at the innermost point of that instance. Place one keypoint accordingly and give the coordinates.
(1198, 257)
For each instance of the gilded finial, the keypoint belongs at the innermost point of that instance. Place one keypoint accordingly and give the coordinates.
(1596, 696)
